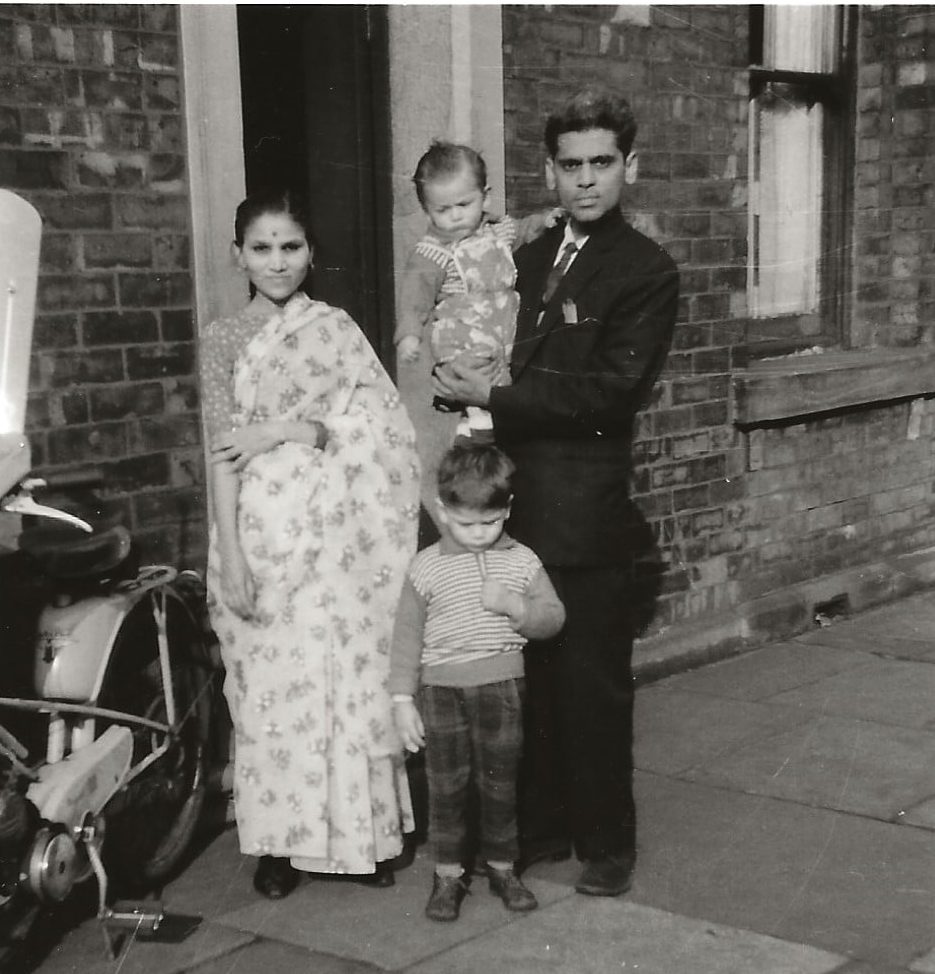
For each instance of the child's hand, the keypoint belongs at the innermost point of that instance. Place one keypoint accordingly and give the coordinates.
(407, 350)
(554, 216)
(409, 724)
(496, 597)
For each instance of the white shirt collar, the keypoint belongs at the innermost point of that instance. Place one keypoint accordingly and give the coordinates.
(567, 238)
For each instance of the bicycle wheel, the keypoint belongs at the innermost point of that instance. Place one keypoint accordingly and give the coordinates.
(150, 822)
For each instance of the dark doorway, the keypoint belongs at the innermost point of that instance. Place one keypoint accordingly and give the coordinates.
(315, 83)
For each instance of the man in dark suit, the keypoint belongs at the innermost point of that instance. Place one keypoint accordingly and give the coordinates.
(594, 327)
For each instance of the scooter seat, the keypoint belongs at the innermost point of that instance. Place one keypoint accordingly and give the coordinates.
(67, 553)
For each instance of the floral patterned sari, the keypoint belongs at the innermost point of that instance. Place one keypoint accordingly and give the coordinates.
(327, 534)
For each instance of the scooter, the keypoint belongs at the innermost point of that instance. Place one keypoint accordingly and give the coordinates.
(106, 774)
(104, 739)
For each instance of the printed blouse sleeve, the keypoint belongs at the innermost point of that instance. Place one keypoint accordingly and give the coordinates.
(216, 363)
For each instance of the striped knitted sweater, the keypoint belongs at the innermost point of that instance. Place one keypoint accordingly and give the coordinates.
(446, 636)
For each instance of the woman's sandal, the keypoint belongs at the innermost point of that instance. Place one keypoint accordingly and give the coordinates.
(382, 877)
(275, 877)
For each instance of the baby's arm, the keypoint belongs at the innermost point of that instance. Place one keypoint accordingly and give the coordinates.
(418, 294)
(528, 228)
(536, 613)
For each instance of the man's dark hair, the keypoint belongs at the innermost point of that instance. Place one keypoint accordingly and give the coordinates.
(445, 159)
(593, 108)
(478, 477)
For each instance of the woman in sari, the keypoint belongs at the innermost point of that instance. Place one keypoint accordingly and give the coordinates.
(314, 480)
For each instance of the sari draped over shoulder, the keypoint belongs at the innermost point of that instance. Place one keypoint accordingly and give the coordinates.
(327, 534)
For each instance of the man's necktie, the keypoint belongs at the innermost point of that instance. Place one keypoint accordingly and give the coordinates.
(558, 271)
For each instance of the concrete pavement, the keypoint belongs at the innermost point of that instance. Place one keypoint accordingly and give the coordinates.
(787, 826)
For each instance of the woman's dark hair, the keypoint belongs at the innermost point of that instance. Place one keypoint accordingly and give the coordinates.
(478, 477)
(593, 108)
(445, 159)
(272, 200)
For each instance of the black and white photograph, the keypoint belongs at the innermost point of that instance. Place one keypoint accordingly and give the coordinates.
(467, 488)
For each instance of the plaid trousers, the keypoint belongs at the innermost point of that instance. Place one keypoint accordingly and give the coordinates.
(473, 735)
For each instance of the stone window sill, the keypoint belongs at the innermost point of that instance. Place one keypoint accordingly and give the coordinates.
(784, 389)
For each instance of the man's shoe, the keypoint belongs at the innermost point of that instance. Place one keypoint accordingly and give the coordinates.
(606, 877)
(509, 887)
(275, 877)
(542, 850)
(445, 902)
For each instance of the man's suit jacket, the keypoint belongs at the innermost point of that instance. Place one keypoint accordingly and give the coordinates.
(567, 419)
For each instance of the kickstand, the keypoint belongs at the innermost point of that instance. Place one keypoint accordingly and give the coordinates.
(137, 916)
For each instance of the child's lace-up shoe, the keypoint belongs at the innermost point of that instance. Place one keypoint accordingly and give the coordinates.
(445, 902)
(509, 887)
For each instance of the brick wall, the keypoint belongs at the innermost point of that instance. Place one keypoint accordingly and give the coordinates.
(895, 178)
(91, 132)
(740, 514)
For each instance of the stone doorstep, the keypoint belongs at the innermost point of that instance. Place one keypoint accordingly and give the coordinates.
(780, 615)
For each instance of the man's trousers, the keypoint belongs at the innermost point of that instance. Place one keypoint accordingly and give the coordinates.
(577, 772)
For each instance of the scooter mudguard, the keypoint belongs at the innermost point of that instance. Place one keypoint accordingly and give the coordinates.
(84, 782)
(73, 646)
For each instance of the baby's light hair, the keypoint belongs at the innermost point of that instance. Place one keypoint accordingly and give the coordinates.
(477, 477)
(446, 159)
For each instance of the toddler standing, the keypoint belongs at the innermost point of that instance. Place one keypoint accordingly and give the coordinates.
(460, 275)
(469, 604)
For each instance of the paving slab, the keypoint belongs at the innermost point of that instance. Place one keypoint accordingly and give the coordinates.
(869, 641)
(889, 691)
(914, 614)
(596, 936)
(849, 885)
(383, 927)
(921, 815)
(82, 952)
(675, 731)
(221, 883)
(271, 957)
(849, 765)
(768, 671)
(924, 964)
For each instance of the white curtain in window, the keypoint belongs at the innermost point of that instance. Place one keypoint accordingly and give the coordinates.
(787, 209)
(797, 38)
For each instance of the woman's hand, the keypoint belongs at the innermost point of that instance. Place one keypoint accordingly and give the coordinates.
(240, 446)
(238, 589)
(409, 724)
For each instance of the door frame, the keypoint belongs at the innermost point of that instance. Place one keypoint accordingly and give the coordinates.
(214, 133)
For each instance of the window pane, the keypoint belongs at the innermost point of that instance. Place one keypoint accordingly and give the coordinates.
(799, 38)
(785, 206)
